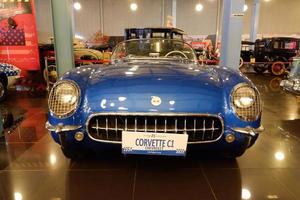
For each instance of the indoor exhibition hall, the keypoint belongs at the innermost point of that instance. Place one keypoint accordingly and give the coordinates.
(149, 99)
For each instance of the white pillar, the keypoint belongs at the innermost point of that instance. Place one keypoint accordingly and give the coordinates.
(232, 24)
(254, 20)
(174, 12)
(62, 12)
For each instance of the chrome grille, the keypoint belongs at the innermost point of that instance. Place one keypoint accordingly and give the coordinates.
(200, 128)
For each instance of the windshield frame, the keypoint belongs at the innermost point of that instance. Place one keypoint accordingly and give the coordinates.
(159, 58)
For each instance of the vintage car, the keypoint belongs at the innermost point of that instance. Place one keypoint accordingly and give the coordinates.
(292, 84)
(154, 98)
(274, 54)
(158, 32)
(9, 74)
(246, 52)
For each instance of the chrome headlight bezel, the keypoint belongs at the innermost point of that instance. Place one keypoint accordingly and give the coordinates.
(53, 104)
(249, 112)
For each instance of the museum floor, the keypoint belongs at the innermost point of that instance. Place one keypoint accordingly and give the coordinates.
(33, 167)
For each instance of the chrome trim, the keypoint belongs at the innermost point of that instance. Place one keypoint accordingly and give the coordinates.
(78, 101)
(154, 114)
(234, 107)
(61, 128)
(249, 130)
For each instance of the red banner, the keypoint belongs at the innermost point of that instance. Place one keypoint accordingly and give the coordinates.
(18, 36)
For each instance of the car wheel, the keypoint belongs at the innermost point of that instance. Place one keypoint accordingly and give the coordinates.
(277, 68)
(3, 91)
(74, 153)
(233, 153)
(8, 119)
(241, 62)
(260, 69)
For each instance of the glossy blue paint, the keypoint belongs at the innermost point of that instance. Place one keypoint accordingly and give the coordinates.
(128, 87)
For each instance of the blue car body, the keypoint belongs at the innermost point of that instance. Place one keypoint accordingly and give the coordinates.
(154, 88)
(195, 89)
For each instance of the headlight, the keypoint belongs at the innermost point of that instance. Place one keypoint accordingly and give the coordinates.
(64, 98)
(246, 102)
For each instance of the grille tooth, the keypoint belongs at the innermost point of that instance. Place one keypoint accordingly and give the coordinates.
(200, 128)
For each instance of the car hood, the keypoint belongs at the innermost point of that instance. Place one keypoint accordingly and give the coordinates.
(133, 87)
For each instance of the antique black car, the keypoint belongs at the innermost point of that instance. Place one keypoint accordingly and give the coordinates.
(165, 32)
(247, 52)
(273, 54)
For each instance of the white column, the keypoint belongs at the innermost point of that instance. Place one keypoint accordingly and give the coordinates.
(232, 24)
(174, 12)
(254, 20)
(62, 12)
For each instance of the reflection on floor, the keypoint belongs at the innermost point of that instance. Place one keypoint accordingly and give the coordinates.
(33, 167)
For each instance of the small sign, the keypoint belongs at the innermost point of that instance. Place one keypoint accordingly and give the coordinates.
(154, 143)
(238, 14)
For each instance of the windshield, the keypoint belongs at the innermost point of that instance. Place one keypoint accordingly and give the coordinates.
(155, 48)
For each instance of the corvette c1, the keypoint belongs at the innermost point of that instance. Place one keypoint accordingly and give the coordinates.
(154, 98)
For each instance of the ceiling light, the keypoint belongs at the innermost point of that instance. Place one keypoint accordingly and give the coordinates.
(133, 6)
(77, 6)
(267, 0)
(18, 196)
(279, 155)
(199, 7)
(245, 7)
(246, 194)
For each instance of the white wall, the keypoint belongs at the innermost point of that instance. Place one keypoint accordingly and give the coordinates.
(197, 23)
(276, 16)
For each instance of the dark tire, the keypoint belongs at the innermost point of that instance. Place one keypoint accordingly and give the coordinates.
(75, 153)
(260, 69)
(234, 153)
(241, 62)
(8, 120)
(3, 91)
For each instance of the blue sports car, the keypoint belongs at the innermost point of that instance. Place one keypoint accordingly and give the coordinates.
(155, 99)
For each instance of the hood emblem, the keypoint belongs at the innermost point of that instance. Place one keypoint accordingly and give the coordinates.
(155, 100)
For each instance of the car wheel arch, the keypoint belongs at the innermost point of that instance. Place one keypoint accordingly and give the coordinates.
(3, 79)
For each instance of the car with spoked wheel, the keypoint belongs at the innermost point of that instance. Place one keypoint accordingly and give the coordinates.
(274, 54)
(9, 74)
(155, 99)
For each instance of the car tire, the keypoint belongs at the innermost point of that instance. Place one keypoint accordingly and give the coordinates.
(8, 120)
(241, 62)
(232, 154)
(260, 69)
(74, 153)
(3, 91)
(277, 68)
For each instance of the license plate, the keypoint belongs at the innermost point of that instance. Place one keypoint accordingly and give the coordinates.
(154, 143)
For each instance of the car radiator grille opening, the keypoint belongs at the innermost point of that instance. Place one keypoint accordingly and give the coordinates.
(199, 128)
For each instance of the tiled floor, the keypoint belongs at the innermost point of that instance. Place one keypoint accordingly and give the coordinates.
(32, 166)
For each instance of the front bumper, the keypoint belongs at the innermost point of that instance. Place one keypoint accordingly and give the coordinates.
(61, 128)
(291, 85)
(249, 130)
(12, 80)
